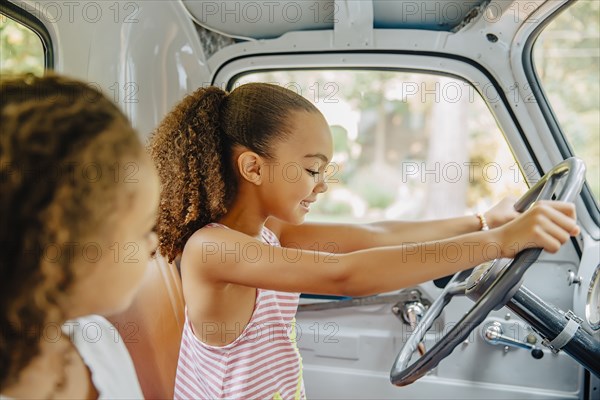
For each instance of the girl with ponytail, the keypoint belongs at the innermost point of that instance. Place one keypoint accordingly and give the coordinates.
(239, 172)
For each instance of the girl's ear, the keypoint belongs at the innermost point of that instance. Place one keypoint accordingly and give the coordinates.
(249, 165)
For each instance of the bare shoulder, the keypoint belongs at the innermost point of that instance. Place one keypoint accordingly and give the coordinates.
(210, 250)
(209, 292)
(207, 237)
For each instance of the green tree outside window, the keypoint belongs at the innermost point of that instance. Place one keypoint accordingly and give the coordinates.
(21, 50)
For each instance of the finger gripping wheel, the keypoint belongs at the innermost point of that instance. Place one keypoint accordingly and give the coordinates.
(572, 171)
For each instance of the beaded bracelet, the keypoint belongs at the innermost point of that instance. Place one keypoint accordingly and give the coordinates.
(482, 222)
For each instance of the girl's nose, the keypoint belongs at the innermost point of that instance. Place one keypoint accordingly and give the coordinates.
(321, 186)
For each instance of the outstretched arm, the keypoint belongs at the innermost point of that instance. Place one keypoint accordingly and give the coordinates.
(345, 238)
(225, 256)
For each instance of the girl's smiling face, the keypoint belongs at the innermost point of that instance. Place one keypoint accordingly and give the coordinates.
(296, 175)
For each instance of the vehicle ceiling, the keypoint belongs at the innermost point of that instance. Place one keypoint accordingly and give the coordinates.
(271, 19)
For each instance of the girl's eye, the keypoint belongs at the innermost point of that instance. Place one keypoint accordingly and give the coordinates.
(312, 173)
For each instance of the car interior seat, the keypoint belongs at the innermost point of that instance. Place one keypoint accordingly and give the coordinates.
(152, 326)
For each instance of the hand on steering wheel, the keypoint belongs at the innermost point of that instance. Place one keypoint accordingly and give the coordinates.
(491, 284)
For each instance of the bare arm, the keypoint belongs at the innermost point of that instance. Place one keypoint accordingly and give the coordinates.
(227, 256)
(344, 238)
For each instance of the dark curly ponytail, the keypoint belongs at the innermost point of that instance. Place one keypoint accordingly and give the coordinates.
(192, 149)
(51, 129)
(185, 148)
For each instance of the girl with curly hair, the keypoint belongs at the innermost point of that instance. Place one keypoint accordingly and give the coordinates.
(78, 205)
(239, 172)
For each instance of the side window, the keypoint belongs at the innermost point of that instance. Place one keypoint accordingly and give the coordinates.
(407, 145)
(21, 49)
(566, 56)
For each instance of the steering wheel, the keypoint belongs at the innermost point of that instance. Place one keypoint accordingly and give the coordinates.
(491, 285)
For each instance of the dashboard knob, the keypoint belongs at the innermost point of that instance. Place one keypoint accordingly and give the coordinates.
(572, 278)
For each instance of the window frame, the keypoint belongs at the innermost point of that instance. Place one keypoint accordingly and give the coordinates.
(10, 10)
(548, 113)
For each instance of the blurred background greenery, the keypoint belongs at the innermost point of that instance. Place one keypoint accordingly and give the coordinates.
(21, 50)
(406, 145)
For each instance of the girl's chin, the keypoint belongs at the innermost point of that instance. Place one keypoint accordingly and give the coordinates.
(295, 217)
(298, 218)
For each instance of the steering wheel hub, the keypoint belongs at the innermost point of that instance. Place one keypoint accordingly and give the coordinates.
(484, 275)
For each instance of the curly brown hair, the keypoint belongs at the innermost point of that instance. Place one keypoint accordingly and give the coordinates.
(60, 145)
(192, 150)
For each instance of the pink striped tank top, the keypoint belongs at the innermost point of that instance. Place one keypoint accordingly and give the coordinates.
(262, 363)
